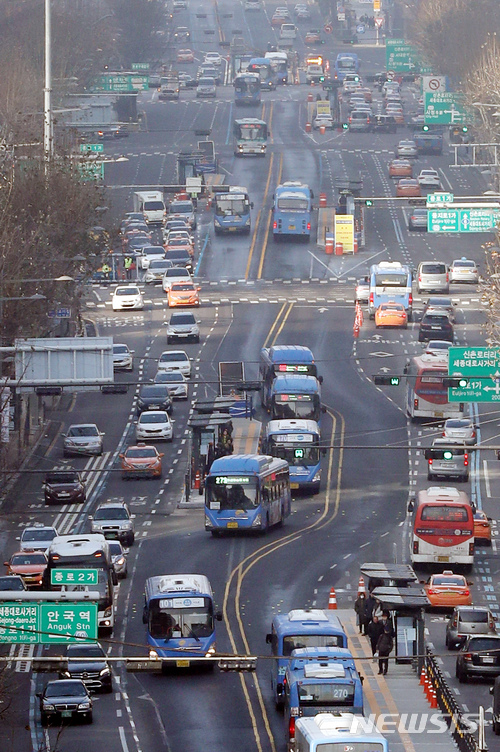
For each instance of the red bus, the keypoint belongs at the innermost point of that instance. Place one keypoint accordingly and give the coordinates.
(443, 527)
(426, 397)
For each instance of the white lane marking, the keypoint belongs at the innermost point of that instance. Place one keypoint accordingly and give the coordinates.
(486, 479)
(123, 739)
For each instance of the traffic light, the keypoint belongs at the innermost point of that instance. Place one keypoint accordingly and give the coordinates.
(386, 380)
(455, 382)
(465, 129)
(425, 128)
(369, 202)
(298, 453)
(345, 126)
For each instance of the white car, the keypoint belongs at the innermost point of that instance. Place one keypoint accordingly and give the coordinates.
(175, 360)
(212, 58)
(462, 429)
(123, 358)
(127, 298)
(175, 381)
(464, 270)
(148, 253)
(37, 537)
(175, 274)
(156, 270)
(429, 179)
(320, 120)
(170, 235)
(154, 424)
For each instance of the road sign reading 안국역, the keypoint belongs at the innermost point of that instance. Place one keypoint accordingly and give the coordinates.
(481, 367)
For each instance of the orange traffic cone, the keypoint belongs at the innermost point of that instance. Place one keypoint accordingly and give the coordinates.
(428, 689)
(361, 585)
(434, 702)
(423, 676)
(332, 600)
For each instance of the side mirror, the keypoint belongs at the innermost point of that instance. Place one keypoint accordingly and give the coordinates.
(470, 582)
(162, 454)
(411, 505)
(6, 563)
(132, 516)
(39, 694)
(218, 615)
(121, 456)
(269, 638)
(320, 379)
(90, 517)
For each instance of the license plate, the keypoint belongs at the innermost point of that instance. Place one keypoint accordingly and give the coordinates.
(232, 229)
(488, 659)
(63, 493)
(182, 664)
(232, 524)
(435, 327)
(443, 558)
(291, 227)
(154, 407)
(66, 713)
(439, 415)
(294, 485)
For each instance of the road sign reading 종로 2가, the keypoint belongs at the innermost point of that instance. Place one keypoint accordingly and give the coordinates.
(74, 576)
(481, 366)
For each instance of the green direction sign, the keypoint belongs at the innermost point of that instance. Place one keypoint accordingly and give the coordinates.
(122, 83)
(446, 107)
(47, 623)
(400, 56)
(74, 576)
(440, 198)
(481, 365)
(140, 66)
(462, 220)
(91, 170)
(91, 147)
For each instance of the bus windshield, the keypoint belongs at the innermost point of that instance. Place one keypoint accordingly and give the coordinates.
(225, 492)
(169, 619)
(293, 204)
(252, 132)
(346, 64)
(293, 406)
(326, 694)
(229, 206)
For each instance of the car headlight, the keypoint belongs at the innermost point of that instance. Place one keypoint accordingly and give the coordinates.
(317, 477)
(105, 672)
(66, 674)
(210, 651)
(153, 655)
(208, 521)
(84, 706)
(121, 560)
(257, 521)
(48, 707)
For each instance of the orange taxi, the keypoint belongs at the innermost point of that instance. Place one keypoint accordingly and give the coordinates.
(400, 168)
(141, 461)
(391, 314)
(185, 56)
(408, 187)
(448, 590)
(183, 294)
(30, 565)
(177, 244)
(482, 528)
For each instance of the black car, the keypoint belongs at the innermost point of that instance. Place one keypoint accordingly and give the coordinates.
(479, 656)
(65, 699)
(180, 258)
(94, 671)
(441, 302)
(64, 487)
(12, 582)
(436, 324)
(154, 397)
(384, 123)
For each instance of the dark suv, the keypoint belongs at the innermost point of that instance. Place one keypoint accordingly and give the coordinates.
(64, 487)
(88, 662)
(436, 324)
(384, 124)
(479, 656)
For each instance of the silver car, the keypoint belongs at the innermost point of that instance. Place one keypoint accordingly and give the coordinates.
(119, 559)
(452, 460)
(82, 438)
(432, 276)
(113, 520)
(468, 620)
(464, 270)
(206, 87)
(362, 292)
(407, 149)
(176, 383)
(156, 270)
(460, 429)
(37, 537)
(182, 326)
(123, 358)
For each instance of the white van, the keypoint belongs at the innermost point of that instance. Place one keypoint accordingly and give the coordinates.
(151, 204)
(288, 31)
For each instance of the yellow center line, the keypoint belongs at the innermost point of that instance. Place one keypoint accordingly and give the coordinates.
(271, 330)
(280, 328)
(254, 239)
(266, 234)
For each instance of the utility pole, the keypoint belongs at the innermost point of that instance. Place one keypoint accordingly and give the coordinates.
(47, 92)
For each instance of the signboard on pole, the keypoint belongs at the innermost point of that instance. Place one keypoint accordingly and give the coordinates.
(434, 83)
(440, 198)
(462, 220)
(74, 576)
(481, 367)
(46, 623)
(121, 83)
(91, 147)
(376, 6)
(400, 56)
(344, 231)
(91, 170)
(140, 66)
(446, 107)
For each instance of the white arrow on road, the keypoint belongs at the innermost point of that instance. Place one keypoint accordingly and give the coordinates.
(322, 310)
(384, 369)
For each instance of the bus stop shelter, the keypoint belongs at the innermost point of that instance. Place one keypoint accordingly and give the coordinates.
(388, 575)
(408, 604)
(211, 432)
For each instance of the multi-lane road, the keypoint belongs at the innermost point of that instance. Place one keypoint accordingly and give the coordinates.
(255, 292)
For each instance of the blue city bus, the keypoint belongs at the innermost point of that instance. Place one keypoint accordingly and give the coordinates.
(263, 66)
(346, 62)
(390, 282)
(279, 63)
(295, 396)
(180, 617)
(337, 733)
(249, 492)
(297, 442)
(292, 209)
(250, 137)
(300, 628)
(231, 209)
(247, 88)
(320, 680)
(283, 359)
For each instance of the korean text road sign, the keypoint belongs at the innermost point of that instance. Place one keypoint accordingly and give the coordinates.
(400, 56)
(63, 312)
(140, 66)
(446, 107)
(91, 147)
(48, 622)
(121, 83)
(344, 231)
(481, 366)
(65, 576)
(462, 220)
(91, 170)
(440, 198)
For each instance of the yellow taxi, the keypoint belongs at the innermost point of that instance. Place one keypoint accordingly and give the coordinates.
(400, 168)
(183, 294)
(391, 314)
(448, 590)
(141, 460)
(408, 187)
(482, 528)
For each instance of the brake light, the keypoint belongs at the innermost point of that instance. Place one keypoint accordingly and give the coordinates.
(308, 225)
(415, 403)
(471, 548)
(431, 591)
(466, 459)
(491, 624)
(415, 547)
(430, 461)
(467, 657)
(371, 298)
(466, 592)
(275, 225)
(410, 299)
(447, 276)
(419, 277)
(291, 729)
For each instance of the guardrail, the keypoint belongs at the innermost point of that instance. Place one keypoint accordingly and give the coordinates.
(452, 713)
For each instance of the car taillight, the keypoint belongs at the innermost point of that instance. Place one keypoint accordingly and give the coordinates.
(415, 547)
(454, 622)
(291, 729)
(467, 657)
(275, 225)
(308, 225)
(466, 592)
(430, 461)
(473, 435)
(471, 548)
(410, 299)
(431, 591)
(491, 624)
(419, 277)
(444, 433)
(447, 277)
(415, 403)
(371, 298)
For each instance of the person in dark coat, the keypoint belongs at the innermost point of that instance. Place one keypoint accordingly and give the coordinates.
(359, 607)
(374, 630)
(370, 606)
(385, 644)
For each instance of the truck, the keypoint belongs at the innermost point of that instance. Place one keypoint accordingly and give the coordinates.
(152, 205)
(169, 86)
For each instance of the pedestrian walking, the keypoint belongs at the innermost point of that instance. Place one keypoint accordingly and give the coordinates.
(359, 607)
(374, 629)
(385, 644)
(128, 267)
(370, 606)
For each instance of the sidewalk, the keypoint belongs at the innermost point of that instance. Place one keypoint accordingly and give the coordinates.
(399, 698)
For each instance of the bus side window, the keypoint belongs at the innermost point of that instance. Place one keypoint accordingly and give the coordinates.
(145, 612)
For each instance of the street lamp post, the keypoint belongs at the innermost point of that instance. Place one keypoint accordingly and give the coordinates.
(48, 140)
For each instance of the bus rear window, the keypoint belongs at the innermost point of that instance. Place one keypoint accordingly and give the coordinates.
(293, 204)
(445, 514)
(391, 280)
(294, 642)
